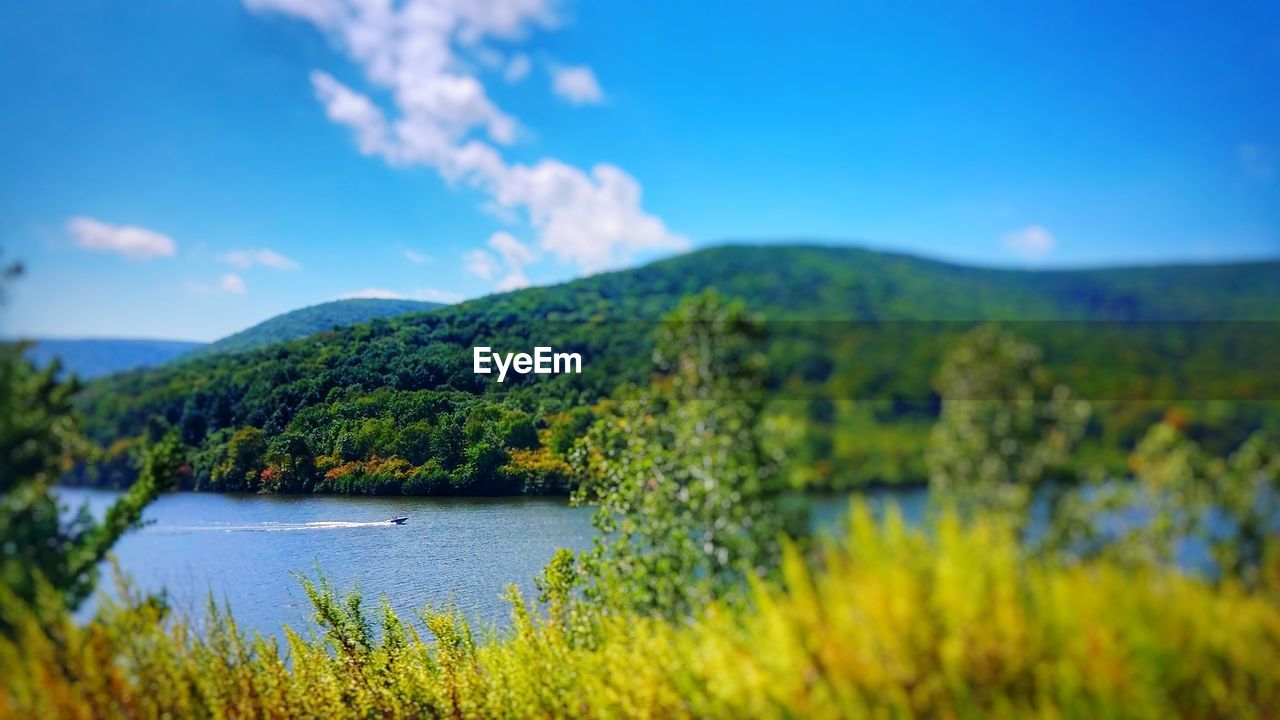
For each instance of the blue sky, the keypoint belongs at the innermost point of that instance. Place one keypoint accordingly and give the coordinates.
(187, 169)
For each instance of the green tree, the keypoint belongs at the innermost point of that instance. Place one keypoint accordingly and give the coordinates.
(448, 443)
(689, 502)
(1248, 491)
(290, 463)
(242, 462)
(39, 440)
(413, 442)
(1004, 427)
(1180, 493)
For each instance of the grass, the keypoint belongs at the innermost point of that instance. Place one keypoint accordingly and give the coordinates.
(888, 621)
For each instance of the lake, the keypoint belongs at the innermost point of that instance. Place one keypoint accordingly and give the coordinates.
(247, 550)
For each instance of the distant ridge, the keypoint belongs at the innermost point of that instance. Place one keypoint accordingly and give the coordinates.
(313, 319)
(403, 389)
(801, 280)
(90, 358)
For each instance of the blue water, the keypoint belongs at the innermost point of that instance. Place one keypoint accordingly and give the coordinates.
(247, 550)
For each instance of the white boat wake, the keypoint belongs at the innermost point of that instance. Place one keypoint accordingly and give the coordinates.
(272, 526)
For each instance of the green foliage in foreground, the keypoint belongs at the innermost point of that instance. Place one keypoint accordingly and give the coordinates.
(697, 605)
(1231, 505)
(951, 622)
(1005, 428)
(38, 437)
(1001, 453)
(47, 563)
(689, 501)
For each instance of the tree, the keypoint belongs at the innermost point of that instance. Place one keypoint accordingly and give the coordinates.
(1180, 493)
(448, 443)
(242, 462)
(690, 504)
(1248, 491)
(1004, 427)
(413, 442)
(291, 464)
(193, 426)
(39, 440)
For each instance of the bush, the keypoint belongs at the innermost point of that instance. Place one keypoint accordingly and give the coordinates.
(427, 479)
(375, 476)
(952, 621)
(537, 472)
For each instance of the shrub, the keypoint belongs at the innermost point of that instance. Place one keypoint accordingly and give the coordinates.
(952, 621)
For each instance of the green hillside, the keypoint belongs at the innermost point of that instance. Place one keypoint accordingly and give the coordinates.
(393, 405)
(90, 358)
(310, 320)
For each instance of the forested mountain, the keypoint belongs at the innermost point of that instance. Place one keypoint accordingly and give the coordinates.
(316, 318)
(393, 405)
(91, 358)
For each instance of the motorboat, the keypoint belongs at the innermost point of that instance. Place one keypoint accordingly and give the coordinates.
(399, 520)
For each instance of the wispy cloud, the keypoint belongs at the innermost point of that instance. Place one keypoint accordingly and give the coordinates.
(373, 293)
(577, 84)
(445, 120)
(514, 280)
(518, 69)
(1031, 242)
(131, 241)
(512, 258)
(515, 256)
(245, 259)
(435, 295)
(480, 263)
(228, 284)
(416, 257)
(513, 252)
(231, 283)
(426, 294)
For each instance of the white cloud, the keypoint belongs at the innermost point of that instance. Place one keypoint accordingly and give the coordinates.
(428, 294)
(592, 220)
(245, 259)
(347, 107)
(232, 284)
(506, 215)
(515, 256)
(373, 293)
(518, 69)
(131, 241)
(228, 284)
(436, 295)
(513, 280)
(488, 58)
(416, 257)
(323, 13)
(512, 251)
(512, 257)
(1031, 242)
(577, 84)
(480, 263)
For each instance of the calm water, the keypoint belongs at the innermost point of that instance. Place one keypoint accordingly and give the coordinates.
(248, 549)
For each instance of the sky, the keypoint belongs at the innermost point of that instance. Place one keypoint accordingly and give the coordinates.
(187, 169)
